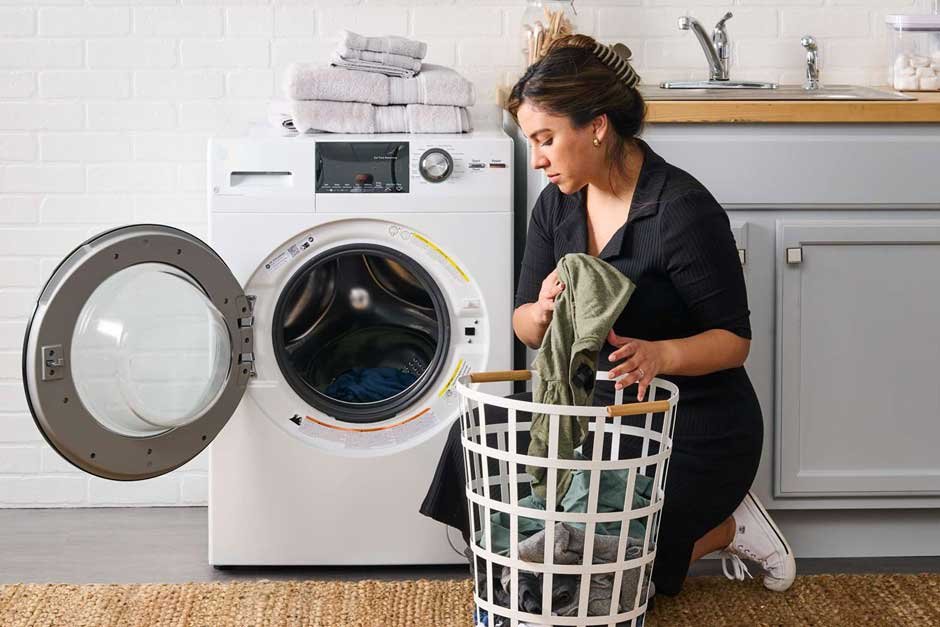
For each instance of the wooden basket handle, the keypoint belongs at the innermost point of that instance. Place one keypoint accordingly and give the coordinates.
(632, 409)
(500, 375)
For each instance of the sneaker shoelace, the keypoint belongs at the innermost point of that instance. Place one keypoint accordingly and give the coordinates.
(738, 568)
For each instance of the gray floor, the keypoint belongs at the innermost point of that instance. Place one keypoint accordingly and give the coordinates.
(169, 545)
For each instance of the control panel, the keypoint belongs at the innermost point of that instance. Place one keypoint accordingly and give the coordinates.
(366, 167)
(369, 167)
(353, 173)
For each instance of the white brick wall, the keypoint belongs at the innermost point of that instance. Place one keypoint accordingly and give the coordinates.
(106, 105)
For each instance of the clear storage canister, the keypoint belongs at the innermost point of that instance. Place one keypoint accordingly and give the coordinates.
(542, 22)
(914, 44)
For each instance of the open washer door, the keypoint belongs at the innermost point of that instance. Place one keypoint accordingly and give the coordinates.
(138, 353)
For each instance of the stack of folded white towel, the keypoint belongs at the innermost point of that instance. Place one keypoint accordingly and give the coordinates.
(392, 56)
(375, 85)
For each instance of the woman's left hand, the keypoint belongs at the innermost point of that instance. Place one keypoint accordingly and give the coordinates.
(643, 360)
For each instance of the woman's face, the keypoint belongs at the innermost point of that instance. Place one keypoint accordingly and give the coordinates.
(567, 154)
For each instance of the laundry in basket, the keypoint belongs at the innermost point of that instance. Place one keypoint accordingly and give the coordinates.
(569, 544)
(569, 549)
(613, 485)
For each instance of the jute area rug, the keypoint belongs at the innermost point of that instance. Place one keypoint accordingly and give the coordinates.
(838, 600)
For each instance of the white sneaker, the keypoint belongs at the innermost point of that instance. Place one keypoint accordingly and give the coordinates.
(757, 538)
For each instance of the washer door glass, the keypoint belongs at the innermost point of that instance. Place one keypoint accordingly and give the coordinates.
(361, 331)
(138, 352)
(150, 351)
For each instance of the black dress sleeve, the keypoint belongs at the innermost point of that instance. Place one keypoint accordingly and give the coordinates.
(538, 260)
(701, 259)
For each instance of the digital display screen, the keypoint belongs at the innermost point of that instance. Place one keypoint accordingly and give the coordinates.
(362, 167)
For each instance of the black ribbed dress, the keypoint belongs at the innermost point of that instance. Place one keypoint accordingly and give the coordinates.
(677, 247)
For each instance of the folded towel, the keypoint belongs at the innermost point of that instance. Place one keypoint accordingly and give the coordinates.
(370, 66)
(385, 58)
(395, 45)
(335, 117)
(359, 117)
(435, 85)
(437, 119)
(306, 81)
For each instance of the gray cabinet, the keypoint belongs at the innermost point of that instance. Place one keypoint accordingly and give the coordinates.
(845, 349)
(845, 353)
(857, 357)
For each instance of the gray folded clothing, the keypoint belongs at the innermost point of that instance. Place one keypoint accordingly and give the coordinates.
(569, 549)
(360, 117)
(385, 58)
(370, 66)
(435, 85)
(395, 45)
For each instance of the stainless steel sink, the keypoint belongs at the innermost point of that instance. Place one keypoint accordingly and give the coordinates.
(717, 51)
(717, 84)
(781, 92)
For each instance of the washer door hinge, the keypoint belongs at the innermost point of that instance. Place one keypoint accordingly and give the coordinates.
(246, 338)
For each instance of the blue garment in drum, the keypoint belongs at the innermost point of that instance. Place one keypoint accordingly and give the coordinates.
(368, 385)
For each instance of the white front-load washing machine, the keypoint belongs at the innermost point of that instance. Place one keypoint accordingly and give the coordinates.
(347, 282)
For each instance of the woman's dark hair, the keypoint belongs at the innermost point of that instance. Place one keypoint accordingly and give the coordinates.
(572, 81)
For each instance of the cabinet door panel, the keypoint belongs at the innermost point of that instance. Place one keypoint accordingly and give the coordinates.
(858, 353)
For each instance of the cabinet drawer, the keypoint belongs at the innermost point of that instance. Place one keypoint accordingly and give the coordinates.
(777, 166)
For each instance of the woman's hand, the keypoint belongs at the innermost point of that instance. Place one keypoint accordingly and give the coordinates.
(551, 288)
(643, 360)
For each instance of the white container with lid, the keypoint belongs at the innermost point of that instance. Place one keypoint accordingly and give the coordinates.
(914, 64)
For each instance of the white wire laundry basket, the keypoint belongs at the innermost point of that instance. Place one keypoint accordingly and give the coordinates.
(583, 558)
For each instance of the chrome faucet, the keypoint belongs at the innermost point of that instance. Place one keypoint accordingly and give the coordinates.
(718, 53)
(812, 62)
(717, 49)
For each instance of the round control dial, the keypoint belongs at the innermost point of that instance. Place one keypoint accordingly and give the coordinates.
(436, 165)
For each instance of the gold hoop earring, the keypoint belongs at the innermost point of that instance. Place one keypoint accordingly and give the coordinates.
(596, 142)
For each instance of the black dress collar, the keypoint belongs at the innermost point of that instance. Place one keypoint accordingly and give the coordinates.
(645, 203)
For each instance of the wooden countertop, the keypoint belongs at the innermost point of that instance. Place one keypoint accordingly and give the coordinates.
(923, 110)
